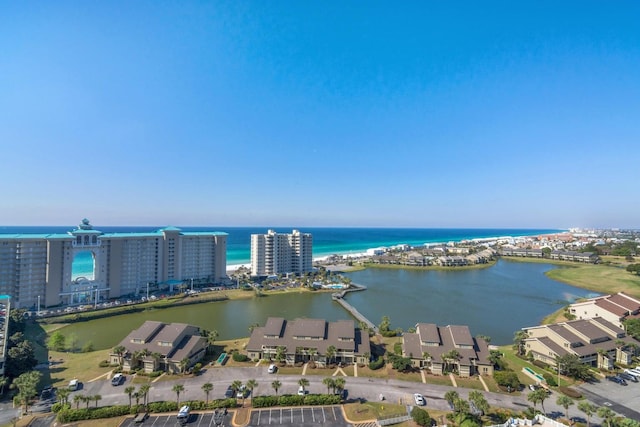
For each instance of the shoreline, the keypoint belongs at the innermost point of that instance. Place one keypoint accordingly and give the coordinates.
(359, 253)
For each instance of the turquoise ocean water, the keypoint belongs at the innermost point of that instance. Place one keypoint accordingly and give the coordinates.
(326, 241)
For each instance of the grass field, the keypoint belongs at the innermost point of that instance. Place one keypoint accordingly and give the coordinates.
(599, 278)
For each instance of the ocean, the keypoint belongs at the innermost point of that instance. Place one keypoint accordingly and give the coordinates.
(326, 241)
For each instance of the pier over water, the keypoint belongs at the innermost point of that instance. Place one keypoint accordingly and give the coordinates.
(339, 298)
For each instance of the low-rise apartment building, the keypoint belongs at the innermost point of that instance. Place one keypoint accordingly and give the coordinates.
(157, 346)
(304, 340)
(614, 308)
(597, 342)
(440, 348)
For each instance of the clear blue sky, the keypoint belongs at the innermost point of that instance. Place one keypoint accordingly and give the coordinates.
(279, 113)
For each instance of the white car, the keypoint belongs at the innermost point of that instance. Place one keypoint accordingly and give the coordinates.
(420, 401)
(632, 372)
(272, 369)
(301, 391)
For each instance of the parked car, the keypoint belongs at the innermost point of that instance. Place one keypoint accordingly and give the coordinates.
(628, 377)
(632, 372)
(419, 399)
(272, 369)
(617, 379)
(229, 392)
(301, 391)
(243, 392)
(118, 379)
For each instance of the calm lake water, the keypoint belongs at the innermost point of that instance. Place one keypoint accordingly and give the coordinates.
(495, 301)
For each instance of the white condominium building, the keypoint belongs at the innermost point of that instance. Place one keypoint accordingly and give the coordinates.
(276, 253)
(40, 270)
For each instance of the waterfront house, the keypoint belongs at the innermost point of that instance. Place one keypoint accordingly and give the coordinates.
(446, 348)
(157, 346)
(587, 257)
(614, 308)
(304, 340)
(597, 342)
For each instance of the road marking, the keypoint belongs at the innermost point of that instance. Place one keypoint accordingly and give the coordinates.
(335, 418)
(259, 413)
(291, 415)
(301, 412)
(324, 417)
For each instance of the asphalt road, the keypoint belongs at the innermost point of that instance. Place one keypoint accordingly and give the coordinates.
(394, 391)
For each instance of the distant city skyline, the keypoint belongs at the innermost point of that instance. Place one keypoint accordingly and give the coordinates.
(429, 115)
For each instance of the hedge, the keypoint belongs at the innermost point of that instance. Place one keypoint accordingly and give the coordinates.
(295, 400)
(570, 392)
(376, 364)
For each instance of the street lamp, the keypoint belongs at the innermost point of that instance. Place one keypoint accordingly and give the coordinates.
(192, 285)
(38, 304)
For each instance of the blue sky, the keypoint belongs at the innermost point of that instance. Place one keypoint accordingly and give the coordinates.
(432, 114)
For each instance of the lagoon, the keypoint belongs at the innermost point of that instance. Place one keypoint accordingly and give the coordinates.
(494, 301)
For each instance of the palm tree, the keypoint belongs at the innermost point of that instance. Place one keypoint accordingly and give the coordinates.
(276, 386)
(606, 414)
(250, 385)
(451, 396)
(156, 359)
(281, 353)
(339, 384)
(565, 402)
(184, 364)
(536, 396)
(137, 395)
(303, 382)
(478, 400)
(426, 356)
(313, 352)
(129, 391)
(63, 395)
(178, 388)
(96, 398)
(589, 409)
(518, 341)
(120, 351)
(207, 387)
(330, 383)
(144, 392)
(236, 386)
(77, 399)
(330, 353)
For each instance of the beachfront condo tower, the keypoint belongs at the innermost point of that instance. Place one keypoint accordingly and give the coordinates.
(86, 266)
(280, 253)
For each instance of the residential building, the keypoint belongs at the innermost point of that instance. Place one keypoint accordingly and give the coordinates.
(614, 308)
(38, 270)
(157, 346)
(281, 253)
(597, 342)
(440, 348)
(587, 257)
(304, 340)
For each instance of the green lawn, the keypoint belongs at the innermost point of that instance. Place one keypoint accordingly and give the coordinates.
(599, 278)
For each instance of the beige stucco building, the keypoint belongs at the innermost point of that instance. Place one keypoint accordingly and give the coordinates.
(597, 342)
(438, 347)
(281, 253)
(613, 308)
(157, 346)
(37, 270)
(304, 340)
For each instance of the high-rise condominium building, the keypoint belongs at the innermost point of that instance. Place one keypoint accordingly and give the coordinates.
(276, 253)
(41, 270)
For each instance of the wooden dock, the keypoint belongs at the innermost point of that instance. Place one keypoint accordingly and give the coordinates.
(339, 298)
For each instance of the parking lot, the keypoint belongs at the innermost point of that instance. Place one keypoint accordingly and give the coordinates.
(622, 399)
(311, 416)
(195, 420)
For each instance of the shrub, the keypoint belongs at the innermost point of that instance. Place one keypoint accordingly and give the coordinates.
(104, 364)
(239, 357)
(397, 348)
(507, 379)
(570, 392)
(376, 364)
(420, 416)
(550, 379)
